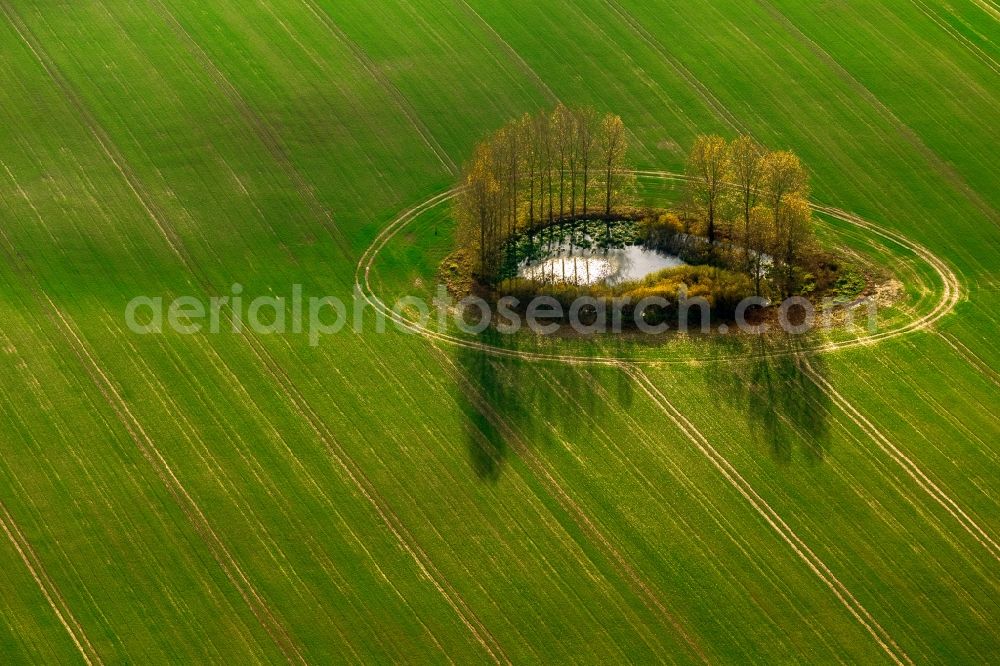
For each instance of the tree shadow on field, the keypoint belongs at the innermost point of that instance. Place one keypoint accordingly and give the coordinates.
(578, 397)
(769, 379)
(509, 403)
(488, 399)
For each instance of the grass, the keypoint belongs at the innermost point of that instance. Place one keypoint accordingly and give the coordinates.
(377, 498)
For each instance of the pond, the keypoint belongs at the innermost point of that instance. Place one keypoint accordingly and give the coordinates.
(596, 265)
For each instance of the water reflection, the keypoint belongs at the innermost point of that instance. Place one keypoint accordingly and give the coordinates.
(594, 266)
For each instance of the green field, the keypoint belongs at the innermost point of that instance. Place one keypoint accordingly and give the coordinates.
(239, 497)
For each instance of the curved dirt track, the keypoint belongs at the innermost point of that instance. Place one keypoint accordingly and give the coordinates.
(950, 292)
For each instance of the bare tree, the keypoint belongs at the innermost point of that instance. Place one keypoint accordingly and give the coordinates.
(546, 143)
(530, 159)
(586, 136)
(613, 146)
(478, 209)
(562, 132)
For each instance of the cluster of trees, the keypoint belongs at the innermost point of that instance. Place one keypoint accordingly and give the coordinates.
(758, 201)
(563, 167)
(538, 171)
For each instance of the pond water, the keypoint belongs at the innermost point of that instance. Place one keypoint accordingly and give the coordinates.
(594, 266)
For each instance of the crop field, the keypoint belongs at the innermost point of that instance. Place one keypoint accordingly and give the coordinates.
(401, 496)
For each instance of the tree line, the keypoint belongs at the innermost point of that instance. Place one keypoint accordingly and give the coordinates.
(538, 171)
(755, 199)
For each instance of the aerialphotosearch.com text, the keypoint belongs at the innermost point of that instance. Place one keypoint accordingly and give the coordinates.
(321, 316)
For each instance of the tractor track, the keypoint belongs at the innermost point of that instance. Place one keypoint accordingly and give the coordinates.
(770, 516)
